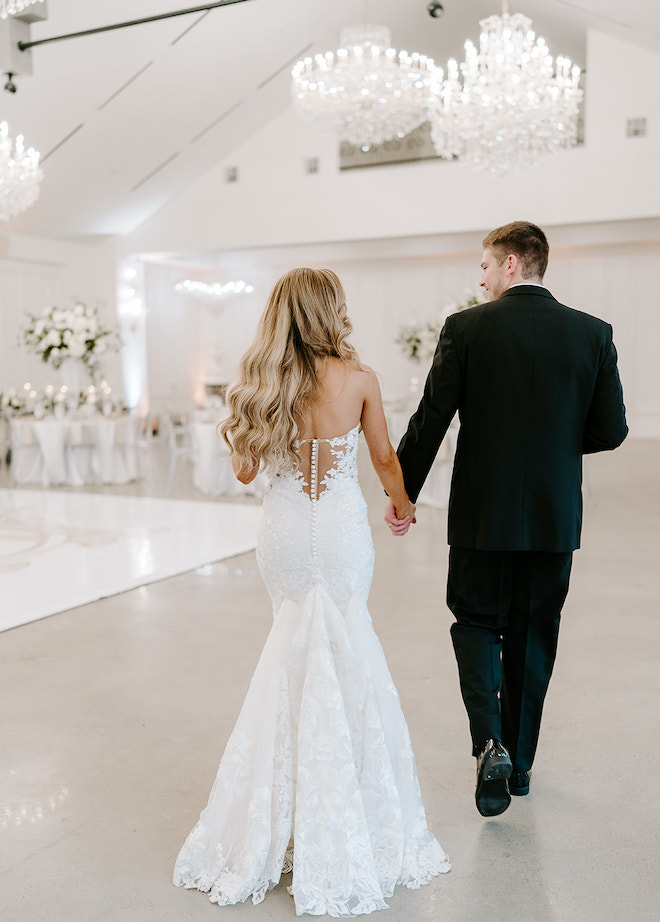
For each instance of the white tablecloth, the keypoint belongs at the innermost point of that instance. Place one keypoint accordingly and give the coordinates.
(212, 470)
(435, 491)
(74, 451)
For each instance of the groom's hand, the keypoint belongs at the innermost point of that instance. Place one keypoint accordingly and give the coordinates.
(397, 526)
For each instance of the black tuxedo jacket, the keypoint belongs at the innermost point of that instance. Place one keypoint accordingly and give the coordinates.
(536, 386)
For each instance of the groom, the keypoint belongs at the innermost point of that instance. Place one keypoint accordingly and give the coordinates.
(536, 386)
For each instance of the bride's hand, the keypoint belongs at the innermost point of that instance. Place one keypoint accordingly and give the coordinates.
(407, 512)
(399, 524)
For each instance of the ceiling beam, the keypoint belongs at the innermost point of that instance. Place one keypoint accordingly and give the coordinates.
(24, 46)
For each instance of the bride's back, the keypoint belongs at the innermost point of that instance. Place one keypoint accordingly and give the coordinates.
(314, 525)
(338, 406)
(328, 434)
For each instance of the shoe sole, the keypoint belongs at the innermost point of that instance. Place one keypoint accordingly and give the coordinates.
(492, 795)
(497, 770)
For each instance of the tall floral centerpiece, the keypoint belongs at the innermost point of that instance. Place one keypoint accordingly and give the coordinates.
(71, 339)
(11, 402)
(419, 340)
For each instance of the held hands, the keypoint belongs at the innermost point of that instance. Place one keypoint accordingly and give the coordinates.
(399, 526)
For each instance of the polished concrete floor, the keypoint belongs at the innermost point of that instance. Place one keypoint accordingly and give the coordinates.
(114, 715)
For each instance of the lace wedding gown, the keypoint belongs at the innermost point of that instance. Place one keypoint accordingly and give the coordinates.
(318, 775)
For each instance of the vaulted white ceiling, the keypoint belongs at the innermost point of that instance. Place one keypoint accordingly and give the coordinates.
(127, 119)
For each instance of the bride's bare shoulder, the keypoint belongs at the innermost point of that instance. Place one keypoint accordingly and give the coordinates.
(359, 378)
(366, 377)
(344, 379)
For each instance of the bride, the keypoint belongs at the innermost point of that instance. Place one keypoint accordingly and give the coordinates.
(318, 776)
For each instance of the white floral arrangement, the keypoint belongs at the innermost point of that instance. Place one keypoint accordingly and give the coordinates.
(419, 340)
(75, 332)
(11, 401)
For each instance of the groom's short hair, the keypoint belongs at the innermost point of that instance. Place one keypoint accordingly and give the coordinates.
(524, 240)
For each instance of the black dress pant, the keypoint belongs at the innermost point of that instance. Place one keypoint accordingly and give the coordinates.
(507, 606)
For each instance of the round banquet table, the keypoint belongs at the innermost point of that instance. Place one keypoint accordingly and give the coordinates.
(74, 451)
(212, 470)
(435, 491)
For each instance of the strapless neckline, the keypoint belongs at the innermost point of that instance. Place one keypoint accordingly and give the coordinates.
(334, 439)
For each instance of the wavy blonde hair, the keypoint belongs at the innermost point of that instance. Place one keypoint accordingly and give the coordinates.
(305, 320)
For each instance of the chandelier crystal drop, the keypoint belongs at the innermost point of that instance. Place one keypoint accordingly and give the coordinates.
(12, 7)
(366, 91)
(510, 105)
(20, 175)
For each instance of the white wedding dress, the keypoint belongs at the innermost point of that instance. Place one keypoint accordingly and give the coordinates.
(318, 775)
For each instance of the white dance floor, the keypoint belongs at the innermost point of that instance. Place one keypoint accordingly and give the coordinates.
(59, 550)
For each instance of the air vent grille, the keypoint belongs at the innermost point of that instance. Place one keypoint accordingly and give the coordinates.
(636, 128)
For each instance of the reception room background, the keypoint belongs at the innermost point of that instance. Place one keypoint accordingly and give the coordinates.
(178, 184)
(171, 152)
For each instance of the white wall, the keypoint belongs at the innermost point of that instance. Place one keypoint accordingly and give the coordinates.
(608, 270)
(36, 273)
(612, 278)
(188, 335)
(275, 202)
(617, 283)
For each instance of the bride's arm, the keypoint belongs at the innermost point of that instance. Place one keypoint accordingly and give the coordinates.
(383, 456)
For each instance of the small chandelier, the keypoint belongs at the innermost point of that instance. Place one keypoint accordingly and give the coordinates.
(12, 7)
(513, 105)
(366, 90)
(20, 175)
(214, 289)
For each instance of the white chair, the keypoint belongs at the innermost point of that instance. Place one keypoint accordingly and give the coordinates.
(179, 434)
(5, 442)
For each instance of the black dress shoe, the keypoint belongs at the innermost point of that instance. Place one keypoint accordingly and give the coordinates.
(493, 768)
(519, 783)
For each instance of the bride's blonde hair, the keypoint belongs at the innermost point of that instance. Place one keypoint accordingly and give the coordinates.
(305, 320)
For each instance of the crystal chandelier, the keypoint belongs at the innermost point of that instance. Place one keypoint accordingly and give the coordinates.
(366, 90)
(20, 175)
(512, 105)
(214, 289)
(11, 7)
